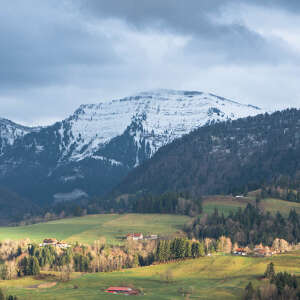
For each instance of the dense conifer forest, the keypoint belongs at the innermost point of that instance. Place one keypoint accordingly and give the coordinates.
(247, 227)
(227, 157)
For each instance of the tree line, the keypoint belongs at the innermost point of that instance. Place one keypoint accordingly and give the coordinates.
(279, 286)
(144, 202)
(249, 226)
(280, 191)
(27, 259)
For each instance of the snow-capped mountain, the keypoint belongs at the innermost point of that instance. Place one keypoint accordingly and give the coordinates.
(163, 115)
(94, 148)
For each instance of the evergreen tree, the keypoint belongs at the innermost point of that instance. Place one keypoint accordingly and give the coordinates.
(178, 248)
(270, 271)
(166, 251)
(188, 249)
(196, 249)
(249, 292)
(202, 249)
(34, 266)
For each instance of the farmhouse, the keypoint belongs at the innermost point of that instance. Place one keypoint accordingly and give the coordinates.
(151, 237)
(240, 251)
(55, 243)
(121, 290)
(262, 251)
(50, 241)
(134, 236)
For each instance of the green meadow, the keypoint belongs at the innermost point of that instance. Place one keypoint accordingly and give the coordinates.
(273, 205)
(225, 204)
(89, 228)
(209, 278)
(114, 227)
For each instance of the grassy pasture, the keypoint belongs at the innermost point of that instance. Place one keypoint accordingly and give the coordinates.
(90, 228)
(274, 205)
(113, 226)
(226, 204)
(210, 278)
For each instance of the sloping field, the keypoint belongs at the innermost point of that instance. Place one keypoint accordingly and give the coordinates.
(87, 229)
(114, 227)
(225, 204)
(209, 278)
(274, 205)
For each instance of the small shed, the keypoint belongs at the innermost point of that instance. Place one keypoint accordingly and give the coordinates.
(121, 290)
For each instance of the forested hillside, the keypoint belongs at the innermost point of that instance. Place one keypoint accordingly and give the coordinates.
(228, 157)
(250, 226)
(13, 207)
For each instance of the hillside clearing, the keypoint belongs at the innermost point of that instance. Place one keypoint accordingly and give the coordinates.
(89, 228)
(225, 204)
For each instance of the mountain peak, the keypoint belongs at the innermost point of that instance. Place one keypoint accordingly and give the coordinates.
(167, 115)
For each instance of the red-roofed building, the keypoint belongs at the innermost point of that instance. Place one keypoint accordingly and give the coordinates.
(134, 236)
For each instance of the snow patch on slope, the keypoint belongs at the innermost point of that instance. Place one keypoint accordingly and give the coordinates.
(164, 115)
(10, 132)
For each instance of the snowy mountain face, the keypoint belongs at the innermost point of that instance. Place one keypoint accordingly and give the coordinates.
(10, 132)
(162, 116)
(93, 149)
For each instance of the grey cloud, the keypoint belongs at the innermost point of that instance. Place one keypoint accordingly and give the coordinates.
(199, 19)
(46, 45)
(289, 5)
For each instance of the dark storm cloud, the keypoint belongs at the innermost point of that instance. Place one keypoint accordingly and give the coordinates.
(58, 54)
(181, 14)
(43, 43)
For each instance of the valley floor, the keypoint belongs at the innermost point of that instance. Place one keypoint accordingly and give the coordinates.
(209, 278)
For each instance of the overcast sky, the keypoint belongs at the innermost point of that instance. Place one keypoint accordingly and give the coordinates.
(56, 54)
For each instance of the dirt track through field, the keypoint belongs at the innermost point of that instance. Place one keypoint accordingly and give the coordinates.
(46, 285)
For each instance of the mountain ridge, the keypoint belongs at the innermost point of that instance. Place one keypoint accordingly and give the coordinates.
(96, 146)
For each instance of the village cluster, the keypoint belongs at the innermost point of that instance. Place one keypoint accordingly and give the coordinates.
(279, 246)
(258, 250)
(130, 237)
